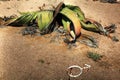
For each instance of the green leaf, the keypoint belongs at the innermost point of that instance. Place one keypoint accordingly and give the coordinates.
(78, 11)
(44, 18)
(71, 21)
(66, 23)
(89, 26)
(93, 26)
(24, 19)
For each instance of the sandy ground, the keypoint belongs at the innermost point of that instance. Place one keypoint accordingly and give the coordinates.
(36, 58)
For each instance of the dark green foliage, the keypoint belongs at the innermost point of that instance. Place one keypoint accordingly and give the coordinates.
(94, 56)
(41, 61)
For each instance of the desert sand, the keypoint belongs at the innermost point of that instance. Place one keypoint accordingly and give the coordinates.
(36, 58)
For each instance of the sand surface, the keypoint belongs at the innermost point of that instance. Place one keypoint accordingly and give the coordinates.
(36, 58)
